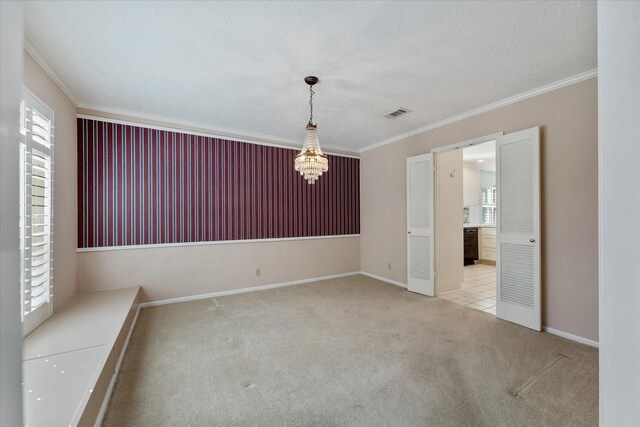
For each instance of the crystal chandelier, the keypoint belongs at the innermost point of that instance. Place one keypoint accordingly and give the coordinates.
(311, 163)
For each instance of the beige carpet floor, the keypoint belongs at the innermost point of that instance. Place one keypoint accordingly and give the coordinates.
(347, 352)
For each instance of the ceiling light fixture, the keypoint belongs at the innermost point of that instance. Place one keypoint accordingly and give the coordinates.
(481, 160)
(311, 163)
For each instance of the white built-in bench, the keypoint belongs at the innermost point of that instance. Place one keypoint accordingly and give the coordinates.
(70, 362)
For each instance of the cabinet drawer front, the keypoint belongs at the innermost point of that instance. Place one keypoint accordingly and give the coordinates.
(488, 231)
(489, 254)
(488, 242)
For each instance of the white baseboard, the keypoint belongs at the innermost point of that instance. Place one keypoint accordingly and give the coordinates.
(243, 290)
(107, 396)
(384, 279)
(571, 337)
(547, 329)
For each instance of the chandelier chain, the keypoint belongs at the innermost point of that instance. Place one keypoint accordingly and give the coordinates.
(311, 93)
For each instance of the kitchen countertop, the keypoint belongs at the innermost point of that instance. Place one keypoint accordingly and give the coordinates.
(479, 226)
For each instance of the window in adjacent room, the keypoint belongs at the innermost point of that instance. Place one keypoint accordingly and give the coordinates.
(488, 199)
(36, 210)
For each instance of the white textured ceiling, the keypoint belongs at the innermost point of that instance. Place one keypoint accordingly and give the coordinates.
(239, 66)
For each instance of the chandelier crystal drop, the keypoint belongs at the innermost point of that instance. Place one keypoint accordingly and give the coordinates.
(311, 163)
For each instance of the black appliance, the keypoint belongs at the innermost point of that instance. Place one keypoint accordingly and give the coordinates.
(470, 245)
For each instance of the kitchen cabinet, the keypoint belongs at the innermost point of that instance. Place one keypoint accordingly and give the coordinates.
(470, 186)
(487, 243)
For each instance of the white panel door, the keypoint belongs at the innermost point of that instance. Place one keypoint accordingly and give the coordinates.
(518, 228)
(420, 274)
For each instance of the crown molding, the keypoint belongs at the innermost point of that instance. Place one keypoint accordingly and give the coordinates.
(489, 107)
(171, 123)
(31, 49)
(276, 141)
(125, 117)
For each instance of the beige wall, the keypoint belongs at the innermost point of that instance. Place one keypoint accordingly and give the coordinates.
(64, 227)
(448, 221)
(568, 121)
(178, 271)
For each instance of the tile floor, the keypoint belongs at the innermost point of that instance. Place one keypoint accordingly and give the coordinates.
(478, 288)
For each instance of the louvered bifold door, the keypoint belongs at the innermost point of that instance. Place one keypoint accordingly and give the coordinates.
(518, 228)
(420, 273)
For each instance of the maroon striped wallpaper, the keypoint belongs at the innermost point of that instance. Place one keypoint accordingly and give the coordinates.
(139, 186)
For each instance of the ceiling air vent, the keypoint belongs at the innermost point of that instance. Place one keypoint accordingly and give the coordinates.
(399, 112)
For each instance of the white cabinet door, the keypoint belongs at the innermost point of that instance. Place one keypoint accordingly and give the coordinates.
(420, 268)
(518, 228)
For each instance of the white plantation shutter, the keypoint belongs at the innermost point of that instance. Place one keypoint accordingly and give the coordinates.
(36, 210)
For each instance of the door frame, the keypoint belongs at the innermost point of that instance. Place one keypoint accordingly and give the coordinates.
(436, 151)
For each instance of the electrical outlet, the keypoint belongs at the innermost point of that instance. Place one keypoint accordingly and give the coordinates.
(389, 266)
(258, 272)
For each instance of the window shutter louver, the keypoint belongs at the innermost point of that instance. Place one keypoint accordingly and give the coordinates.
(36, 205)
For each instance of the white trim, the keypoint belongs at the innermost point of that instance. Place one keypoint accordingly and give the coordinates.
(223, 133)
(173, 125)
(280, 142)
(243, 290)
(126, 342)
(571, 337)
(219, 242)
(604, 354)
(31, 49)
(384, 279)
(493, 106)
(468, 143)
(107, 396)
(236, 135)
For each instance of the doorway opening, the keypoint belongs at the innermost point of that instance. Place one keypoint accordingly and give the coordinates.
(503, 226)
(475, 225)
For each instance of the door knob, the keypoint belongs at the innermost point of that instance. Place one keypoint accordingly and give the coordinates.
(532, 240)
(408, 232)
